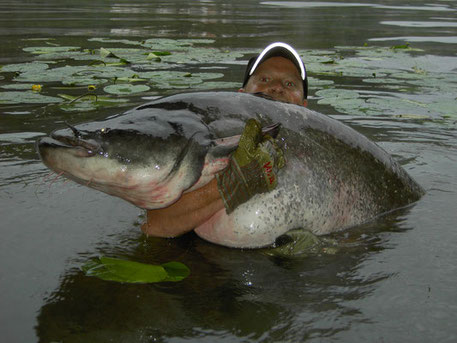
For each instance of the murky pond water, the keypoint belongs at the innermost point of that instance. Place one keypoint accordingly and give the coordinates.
(388, 281)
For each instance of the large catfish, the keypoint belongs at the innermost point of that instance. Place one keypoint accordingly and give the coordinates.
(334, 177)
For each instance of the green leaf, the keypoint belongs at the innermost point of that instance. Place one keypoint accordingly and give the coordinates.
(42, 50)
(161, 53)
(36, 67)
(404, 46)
(153, 56)
(88, 102)
(108, 40)
(125, 89)
(26, 97)
(176, 271)
(113, 269)
(130, 79)
(18, 86)
(106, 53)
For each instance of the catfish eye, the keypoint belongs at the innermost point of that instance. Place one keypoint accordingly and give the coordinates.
(104, 130)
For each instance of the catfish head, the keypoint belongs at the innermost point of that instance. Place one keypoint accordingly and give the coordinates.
(146, 158)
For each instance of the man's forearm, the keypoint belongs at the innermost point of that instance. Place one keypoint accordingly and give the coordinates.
(190, 211)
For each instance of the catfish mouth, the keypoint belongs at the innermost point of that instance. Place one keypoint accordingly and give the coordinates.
(67, 154)
(62, 148)
(73, 143)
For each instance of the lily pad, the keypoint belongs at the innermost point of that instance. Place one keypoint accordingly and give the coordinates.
(114, 41)
(106, 53)
(314, 83)
(388, 79)
(83, 81)
(218, 85)
(76, 75)
(19, 86)
(26, 97)
(35, 67)
(338, 93)
(40, 50)
(167, 79)
(173, 44)
(126, 88)
(88, 102)
(113, 269)
(350, 106)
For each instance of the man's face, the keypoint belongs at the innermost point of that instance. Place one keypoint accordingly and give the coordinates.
(278, 78)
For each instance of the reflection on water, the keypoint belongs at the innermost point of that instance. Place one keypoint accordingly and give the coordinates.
(392, 280)
(230, 293)
(434, 39)
(330, 4)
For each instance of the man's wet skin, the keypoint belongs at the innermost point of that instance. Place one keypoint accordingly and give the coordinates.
(279, 79)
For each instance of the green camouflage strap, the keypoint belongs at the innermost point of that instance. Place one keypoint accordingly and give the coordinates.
(252, 168)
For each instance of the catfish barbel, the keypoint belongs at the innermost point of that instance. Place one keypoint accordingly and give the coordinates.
(334, 177)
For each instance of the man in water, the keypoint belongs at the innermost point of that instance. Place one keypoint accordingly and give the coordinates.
(277, 73)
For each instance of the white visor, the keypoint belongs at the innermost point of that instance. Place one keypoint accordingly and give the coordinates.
(280, 46)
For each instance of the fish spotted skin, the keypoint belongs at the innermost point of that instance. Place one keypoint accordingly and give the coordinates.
(334, 177)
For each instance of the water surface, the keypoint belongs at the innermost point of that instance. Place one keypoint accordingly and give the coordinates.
(390, 280)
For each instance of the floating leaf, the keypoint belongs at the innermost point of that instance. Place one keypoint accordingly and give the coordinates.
(411, 116)
(83, 81)
(338, 93)
(388, 79)
(131, 55)
(108, 40)
(37, 39)
(176, 271)
(319, 83)
(329, 62)
(27, 97)
(106, 53)
(50, 49)
(113, 269)
(72, 98)
(88, 102)
(35, 67)
(354, 106)
(218, 85)
(161, 53)
(167, 44)
(405, 46)
(126, 88)
(153, 56)
(19, 86)
(52, 75)
(130, 79)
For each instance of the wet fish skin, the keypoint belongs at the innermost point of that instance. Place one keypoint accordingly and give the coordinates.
(334, 177)
(145, 158)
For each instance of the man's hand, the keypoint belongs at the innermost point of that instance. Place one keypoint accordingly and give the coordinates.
(252, 168)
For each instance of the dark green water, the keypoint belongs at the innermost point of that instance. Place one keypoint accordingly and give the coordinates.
(392, 280)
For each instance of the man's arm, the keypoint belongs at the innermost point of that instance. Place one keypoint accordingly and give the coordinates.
(191, 210)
